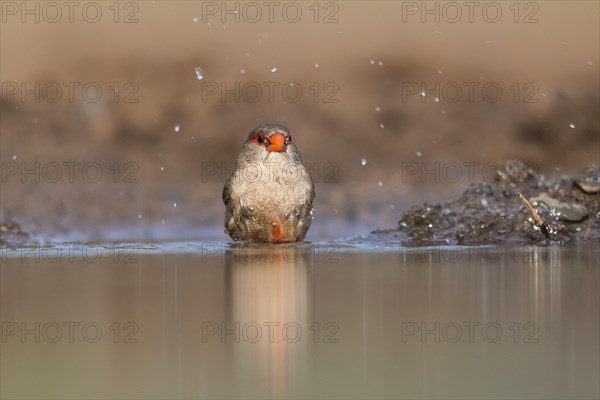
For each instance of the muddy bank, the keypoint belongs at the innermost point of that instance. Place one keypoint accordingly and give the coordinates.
(493, 213)
(486, 213)
(11, 233)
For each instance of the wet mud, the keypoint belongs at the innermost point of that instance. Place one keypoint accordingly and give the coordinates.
(488, 213)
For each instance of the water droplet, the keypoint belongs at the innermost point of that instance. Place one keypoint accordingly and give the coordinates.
(379, 183)
(436, 99)
(162, 168)
(242, 71)
(372, 62)
(195, 19)
(174, 204)
(423, 94)
(439, 71)
(122, 192)
(590, 63)
(139, 216)
(162, 221)
(14, 157)
(572, 125)
(380, 63)
(381, 126)
(274, 68)
(316, 65)
(392, 206)
(484, 202)
(363, 162)
(443, 112)
(177, 128)
(377, 108)
(199, 73)
(419, 154)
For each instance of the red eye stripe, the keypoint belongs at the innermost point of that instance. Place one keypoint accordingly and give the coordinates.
(259, 138)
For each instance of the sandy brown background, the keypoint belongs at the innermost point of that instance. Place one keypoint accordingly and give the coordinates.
(158, 54)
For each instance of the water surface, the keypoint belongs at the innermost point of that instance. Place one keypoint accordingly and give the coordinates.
(191, 320)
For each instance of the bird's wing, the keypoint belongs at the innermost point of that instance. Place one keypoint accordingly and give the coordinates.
(226, 192)
(312, 188)
(230, 226)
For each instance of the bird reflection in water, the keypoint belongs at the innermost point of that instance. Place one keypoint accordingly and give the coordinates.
(267, 293)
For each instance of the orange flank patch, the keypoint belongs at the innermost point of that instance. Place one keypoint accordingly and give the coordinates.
(277, 234)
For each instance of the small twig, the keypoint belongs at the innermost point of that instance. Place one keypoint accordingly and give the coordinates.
(536, 217)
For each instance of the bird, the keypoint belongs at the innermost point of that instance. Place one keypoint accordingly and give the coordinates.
(269, 197)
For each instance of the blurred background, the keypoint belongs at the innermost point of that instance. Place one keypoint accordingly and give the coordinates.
(123, 120)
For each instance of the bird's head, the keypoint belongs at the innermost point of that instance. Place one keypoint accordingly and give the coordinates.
(266, 140)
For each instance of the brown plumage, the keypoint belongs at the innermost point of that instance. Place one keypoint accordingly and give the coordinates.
(269, 196)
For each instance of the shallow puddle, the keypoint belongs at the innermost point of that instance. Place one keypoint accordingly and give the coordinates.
(314, 320)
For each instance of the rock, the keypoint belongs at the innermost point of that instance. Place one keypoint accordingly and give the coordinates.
(514, 171)
(589, 181)
(572, 212)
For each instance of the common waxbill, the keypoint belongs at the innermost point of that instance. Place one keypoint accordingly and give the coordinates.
(269, 196)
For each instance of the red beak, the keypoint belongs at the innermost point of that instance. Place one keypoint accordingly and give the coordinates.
(277, 142)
